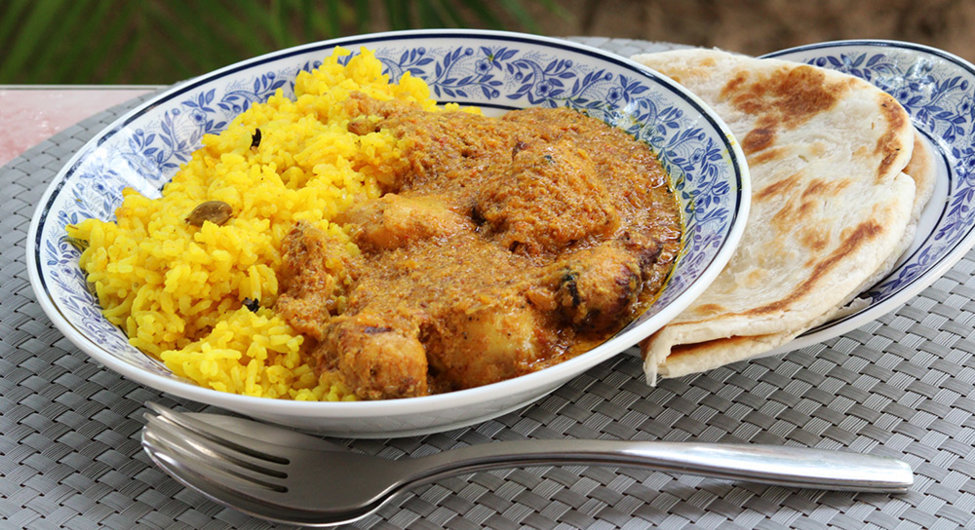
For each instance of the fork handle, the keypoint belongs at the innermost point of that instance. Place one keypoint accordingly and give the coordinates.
(767, 464)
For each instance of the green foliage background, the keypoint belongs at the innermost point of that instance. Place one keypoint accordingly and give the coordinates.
(163, 41)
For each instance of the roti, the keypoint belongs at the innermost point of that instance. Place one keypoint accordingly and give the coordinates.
(831, 204)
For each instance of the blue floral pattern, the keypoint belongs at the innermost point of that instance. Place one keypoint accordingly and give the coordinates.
(936, 89)
(143, 150)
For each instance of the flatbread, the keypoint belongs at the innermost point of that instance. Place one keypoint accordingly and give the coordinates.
(831, 205)
(921, 169)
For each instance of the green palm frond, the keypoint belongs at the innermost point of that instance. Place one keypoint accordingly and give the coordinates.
(162, 41)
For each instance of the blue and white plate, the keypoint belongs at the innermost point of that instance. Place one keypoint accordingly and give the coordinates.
(497, 71)
(937, 89)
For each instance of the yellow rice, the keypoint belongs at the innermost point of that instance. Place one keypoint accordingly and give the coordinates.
(177, 289)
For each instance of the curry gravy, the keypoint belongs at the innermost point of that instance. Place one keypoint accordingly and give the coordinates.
(500, 246)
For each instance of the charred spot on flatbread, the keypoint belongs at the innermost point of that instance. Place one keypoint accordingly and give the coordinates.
(786, 98)
(788, 95)
(854, 240)
(777, 188)
(887, 145)
(758, 139)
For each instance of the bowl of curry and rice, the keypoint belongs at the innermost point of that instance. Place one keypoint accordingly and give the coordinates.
(389, 234)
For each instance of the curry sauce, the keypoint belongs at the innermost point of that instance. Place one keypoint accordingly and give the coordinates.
(499, 247)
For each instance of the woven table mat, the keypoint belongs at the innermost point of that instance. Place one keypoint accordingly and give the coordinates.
(902, 386)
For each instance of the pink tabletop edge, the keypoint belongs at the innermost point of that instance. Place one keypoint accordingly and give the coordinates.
(31, 114)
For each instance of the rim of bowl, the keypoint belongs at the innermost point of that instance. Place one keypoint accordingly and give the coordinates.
(553, 375)
(891, 43)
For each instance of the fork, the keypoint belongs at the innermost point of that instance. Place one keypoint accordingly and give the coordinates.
(285, 476)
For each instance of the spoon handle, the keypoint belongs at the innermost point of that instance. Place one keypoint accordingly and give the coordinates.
(768, 464)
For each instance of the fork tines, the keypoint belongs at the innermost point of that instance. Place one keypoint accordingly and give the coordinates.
(195, 447)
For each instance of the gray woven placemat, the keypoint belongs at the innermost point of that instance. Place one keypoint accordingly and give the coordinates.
(902, 386)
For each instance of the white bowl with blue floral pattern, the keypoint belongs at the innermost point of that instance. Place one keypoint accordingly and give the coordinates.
(493, 70)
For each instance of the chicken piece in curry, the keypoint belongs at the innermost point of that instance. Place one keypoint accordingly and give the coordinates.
(500, 246)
